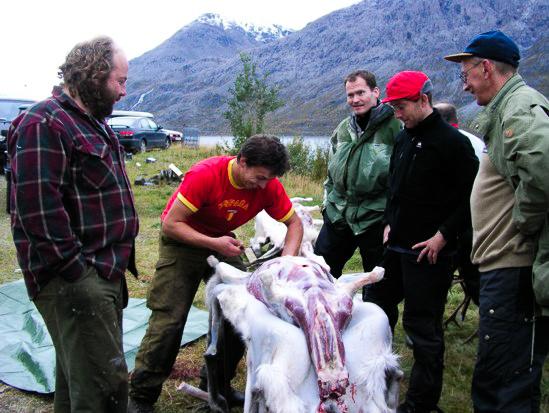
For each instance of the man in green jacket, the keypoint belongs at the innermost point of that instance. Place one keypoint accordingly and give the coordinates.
(355, 191)
(509, 207)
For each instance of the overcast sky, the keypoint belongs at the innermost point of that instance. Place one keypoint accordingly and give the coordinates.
(36, 35)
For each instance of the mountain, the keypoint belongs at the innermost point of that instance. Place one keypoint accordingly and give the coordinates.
(186, 79)
(170, 78)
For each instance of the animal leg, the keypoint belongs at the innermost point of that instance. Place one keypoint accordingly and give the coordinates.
(217, 401)
(393, 378)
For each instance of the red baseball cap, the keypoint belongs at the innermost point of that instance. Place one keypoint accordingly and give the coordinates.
(407, 85)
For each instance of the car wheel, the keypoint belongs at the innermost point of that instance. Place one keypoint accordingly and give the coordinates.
(168, 143)
(143, 146)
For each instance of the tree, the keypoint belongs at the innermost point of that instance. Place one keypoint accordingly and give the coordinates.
(251, 100)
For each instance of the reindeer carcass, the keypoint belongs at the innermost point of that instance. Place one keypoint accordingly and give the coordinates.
(268, 230)
(311, 348)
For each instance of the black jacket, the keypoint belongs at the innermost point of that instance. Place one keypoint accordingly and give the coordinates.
(432, 170)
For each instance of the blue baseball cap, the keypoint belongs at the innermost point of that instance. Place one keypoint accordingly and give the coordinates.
(493, 45)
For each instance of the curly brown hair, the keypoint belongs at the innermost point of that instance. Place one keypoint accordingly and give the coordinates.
(266, 151)
(87, 68)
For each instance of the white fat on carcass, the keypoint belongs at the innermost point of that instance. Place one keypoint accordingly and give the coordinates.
(280, 374)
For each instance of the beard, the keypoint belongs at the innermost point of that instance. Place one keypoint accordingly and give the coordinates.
(100, 102)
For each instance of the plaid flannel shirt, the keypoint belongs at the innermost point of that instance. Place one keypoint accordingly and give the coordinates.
(72, 204)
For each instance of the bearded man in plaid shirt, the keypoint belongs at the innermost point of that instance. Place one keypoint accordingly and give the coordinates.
(74, 223)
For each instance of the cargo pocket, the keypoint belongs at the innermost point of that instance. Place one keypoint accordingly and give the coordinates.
(504, 340)
(164, 286)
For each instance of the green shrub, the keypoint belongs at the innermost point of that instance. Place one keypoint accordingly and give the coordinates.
(305, 161)
(300, 155)
(319, 163)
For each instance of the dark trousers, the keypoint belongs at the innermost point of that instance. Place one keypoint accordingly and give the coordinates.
(84, 319)
(179, 271)
(337, 246)
(512, 346)
(423, 287)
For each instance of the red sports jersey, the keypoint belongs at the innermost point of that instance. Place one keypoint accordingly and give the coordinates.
(219, 205)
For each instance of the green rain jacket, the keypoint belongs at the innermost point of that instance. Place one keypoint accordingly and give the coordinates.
(515, 125)
(356, 188)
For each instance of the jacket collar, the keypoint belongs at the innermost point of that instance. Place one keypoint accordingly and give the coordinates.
(69, 103)
(425, 125)
(65, 99)
(378, 114)
(483, 122)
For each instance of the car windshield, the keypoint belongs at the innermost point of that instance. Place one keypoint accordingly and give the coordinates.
(122, 121)
(9, 108)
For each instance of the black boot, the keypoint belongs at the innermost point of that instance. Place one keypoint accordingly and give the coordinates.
(236, 398)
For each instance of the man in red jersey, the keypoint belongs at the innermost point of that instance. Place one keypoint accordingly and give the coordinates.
(217, 195)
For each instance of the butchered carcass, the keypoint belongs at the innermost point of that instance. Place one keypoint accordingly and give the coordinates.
(268, 229)
(324, 365)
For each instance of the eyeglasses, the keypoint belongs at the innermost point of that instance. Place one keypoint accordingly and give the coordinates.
(463, 75)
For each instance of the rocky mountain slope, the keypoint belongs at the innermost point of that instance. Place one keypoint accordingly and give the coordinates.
(186, 79)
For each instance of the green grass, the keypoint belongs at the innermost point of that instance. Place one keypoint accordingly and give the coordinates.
(150, 202)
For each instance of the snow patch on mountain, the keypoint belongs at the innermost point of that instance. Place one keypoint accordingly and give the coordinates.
(260, 33)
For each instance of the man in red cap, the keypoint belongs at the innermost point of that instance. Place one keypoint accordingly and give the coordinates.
(431, 173)
(509, 207)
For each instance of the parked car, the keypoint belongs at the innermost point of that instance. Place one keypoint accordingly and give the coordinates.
(9, 109)
(133, 113)
(174, 135)
(139, 134)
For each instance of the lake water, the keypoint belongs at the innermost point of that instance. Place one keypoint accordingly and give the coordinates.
(312, 141)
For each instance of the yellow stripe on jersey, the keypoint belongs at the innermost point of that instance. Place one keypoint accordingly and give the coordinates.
(287, 216)
(186, 202)
(230, 172)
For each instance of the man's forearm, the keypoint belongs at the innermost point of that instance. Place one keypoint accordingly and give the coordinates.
(292, 242)
(183, 232)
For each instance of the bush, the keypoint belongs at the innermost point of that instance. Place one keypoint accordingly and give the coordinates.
(319, 163)
(306, 161)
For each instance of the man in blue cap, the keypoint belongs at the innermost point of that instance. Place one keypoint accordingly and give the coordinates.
(509, 208)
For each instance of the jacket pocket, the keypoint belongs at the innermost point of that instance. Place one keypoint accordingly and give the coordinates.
(95, 165)
(334, 210)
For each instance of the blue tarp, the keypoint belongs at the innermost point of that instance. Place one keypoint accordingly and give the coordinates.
(27, 356)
